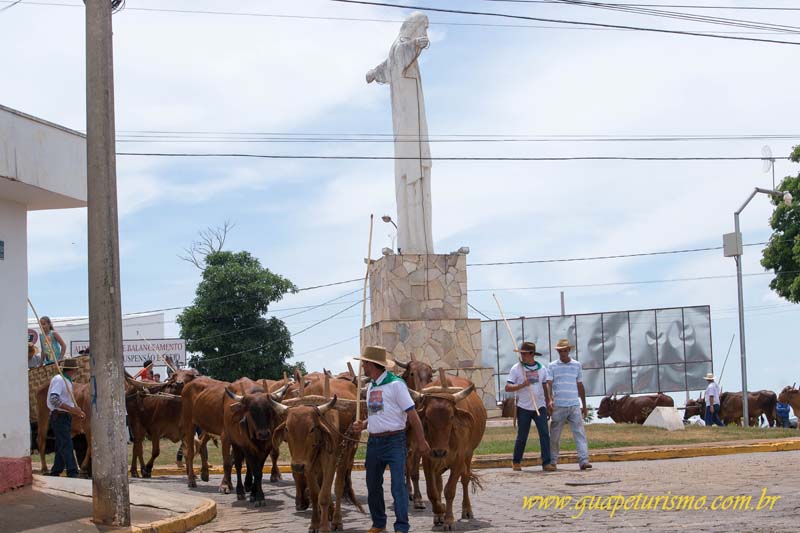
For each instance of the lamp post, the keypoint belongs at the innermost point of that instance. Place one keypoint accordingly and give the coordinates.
(388, 220)
(732, 245)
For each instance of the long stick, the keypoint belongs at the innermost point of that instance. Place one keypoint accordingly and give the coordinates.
(50, 349)
(364, 314)
(514, 340)
(719, 381)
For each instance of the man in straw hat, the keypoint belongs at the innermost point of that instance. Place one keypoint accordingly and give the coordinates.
(711, 417)
(569, 403)
(389, 407)
(59, 401)
(528, 373)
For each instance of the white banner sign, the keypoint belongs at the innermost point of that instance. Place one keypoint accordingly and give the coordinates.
(136, 352)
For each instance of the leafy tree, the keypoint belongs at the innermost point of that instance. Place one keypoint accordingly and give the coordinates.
(782, 254)
(226, 324)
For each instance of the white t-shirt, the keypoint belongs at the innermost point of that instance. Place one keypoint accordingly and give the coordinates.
(387, 403)
(535, 374)
(59, 386)
(712, 390)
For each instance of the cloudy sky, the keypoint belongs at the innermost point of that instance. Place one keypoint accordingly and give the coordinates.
(298, 68)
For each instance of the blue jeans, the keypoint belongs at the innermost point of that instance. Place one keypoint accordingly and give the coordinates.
(65, 454)
(573, 415)
(524, 417)
(713, 418)
(382, 452)
(784, 421)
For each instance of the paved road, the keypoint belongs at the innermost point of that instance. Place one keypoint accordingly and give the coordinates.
(499, 507)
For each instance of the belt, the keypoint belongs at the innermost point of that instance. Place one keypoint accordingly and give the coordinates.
(57, 413)
(387, 433)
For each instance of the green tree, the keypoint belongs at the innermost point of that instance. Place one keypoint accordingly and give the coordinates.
(782, 254)
(226, 326)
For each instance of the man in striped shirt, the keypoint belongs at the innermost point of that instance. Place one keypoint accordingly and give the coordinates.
(569, 404)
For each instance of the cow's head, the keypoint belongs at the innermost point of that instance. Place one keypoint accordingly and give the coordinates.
(788, 393)
(257, 411)
(606, 407)
(179, 378)
(416, 374)
(307, 431)
(694, 407)
(438, 409)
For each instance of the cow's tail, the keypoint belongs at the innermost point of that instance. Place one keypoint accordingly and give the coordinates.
(350, 493)
(476, 482)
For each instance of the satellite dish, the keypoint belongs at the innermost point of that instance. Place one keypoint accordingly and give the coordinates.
(768, 162)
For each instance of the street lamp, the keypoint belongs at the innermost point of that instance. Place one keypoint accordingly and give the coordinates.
(388, 219)
(732, 247)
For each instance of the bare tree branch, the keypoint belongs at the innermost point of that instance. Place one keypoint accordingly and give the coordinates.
(211, 240)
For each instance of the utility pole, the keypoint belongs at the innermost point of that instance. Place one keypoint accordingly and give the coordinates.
(111, 502)
(563, 307)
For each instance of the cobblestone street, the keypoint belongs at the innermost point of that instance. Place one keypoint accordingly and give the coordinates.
(499, 506)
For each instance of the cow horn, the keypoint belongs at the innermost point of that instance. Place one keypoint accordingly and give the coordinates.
(325, 407)
(404, 366)
(443, 381)
(350, 370)
(302, 387)
(460, 395)
(412, 356)
(794, 385)
(327, 387)
(416, 396)
(280, 409)
(364, 379)
(233, 395)
(280, 393)
(264, 385)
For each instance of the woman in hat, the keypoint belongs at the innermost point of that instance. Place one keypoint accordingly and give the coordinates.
(711, 417)
(531, 375)
(389, 406)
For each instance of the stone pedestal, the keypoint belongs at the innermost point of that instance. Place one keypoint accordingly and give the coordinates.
(418, 304)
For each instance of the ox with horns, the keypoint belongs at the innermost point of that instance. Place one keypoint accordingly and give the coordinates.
(417, 375)
(791, 395)
(454, 420)
(632, 409)
(248, 424)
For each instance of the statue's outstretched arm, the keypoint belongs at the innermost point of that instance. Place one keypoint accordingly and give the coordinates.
(379, 74)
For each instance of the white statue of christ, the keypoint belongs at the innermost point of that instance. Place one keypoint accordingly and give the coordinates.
(412, 166)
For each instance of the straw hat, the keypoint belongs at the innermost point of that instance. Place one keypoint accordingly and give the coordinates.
(710, 377)
(69, 364)
(377, 355)
(528, 347)
(564, 344)
(32, 349)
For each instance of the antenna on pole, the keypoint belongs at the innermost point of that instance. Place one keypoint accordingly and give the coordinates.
(769, 162)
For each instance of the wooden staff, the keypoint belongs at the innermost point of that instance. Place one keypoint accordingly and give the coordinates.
(364, 313)
(516, 348)
(161, 355)
(50, 348)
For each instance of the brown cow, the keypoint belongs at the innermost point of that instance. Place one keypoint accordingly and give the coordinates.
(82, 398)
(417, 375)
(315, 442)
(791, 395)
(248, 424)
(454, 423)
(632, 409)
(759, 403)
(346, 392)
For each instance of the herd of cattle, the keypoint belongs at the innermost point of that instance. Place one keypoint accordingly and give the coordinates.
(313, 414)
(635, 409)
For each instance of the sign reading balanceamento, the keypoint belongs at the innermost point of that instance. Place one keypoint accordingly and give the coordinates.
(136, 352)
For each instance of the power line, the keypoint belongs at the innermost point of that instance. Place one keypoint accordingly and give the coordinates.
(326, 346)
(679, 6)
(563, 21)
(618, 283)
(357, 19)
(484, 315)
(604, 257)
(445, 158)
(12, 4)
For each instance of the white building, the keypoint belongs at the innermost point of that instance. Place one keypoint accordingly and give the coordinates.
(42, 166)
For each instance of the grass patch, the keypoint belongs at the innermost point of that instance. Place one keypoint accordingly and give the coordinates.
(500, 440)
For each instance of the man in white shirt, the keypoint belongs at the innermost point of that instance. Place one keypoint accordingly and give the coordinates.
(389, 407)
(59, 401)
(712, 402)
(529, 377)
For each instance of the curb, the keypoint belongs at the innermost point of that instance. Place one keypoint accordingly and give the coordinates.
(597, 456)
(183, 522)
(188, 513)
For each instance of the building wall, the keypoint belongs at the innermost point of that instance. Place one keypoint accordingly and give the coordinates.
(14, 428)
